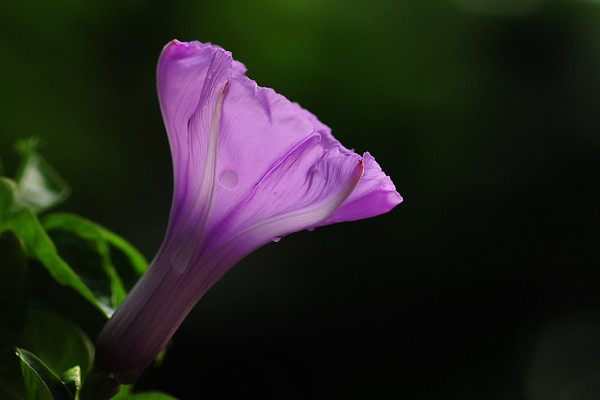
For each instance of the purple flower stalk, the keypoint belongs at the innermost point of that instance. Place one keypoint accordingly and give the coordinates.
(249, 167)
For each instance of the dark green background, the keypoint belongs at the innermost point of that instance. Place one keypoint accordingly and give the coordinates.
(483, 284)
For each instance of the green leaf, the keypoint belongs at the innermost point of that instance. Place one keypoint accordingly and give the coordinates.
(146, 396)
(84, 247)
(59, 343)
(25, 225)
(127, 260)
(41, 382)
(8, 190)
(125, 391)
(40, 186)
(14, 281)
(64, 300)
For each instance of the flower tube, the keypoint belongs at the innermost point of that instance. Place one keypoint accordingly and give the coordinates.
(249, 167)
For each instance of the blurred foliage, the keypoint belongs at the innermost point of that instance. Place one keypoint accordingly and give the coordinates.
(484, 113)
(44, 268)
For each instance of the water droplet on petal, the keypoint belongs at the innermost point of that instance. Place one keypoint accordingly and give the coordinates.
(276, 239)
(228, 178)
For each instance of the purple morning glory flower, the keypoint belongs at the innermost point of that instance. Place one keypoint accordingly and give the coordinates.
(249, 167)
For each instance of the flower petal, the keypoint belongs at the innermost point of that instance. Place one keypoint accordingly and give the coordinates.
(249, 166)
(258, 129)
(374, 195)
(191, 79)
(302, 189)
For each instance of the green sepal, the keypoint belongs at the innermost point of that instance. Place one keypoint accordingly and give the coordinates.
(100, 385)
(59, 343)
(126, 393)
(40, 186)
(41, 382)
(72, 379)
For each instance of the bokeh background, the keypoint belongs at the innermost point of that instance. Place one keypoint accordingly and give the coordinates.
(483, 284)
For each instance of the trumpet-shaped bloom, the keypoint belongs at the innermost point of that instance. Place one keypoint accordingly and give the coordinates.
(249, 167)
